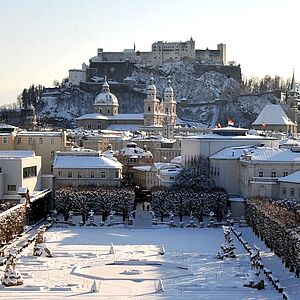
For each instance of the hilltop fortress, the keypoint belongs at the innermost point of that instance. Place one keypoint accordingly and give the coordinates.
(119, 65)
(163, 52)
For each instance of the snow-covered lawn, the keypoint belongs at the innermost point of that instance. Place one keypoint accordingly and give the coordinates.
(188, 270)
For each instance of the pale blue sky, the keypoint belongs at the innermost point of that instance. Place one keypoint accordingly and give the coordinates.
(42, 39)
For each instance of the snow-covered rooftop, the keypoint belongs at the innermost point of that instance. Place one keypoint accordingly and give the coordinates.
(127, 117)
(176, 160)
(292, 178)
(84, 162)
(145, 168)
(16, 153)
(274, 155)
(134, 151)
(94, 116)
(39, 133)
(221, 137)
(273, 114)
(124, 127)
(7, 126)
(231, 152)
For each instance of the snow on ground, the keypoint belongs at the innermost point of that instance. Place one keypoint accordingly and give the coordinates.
(188, 270)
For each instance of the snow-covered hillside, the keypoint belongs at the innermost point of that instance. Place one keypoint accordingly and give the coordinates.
(210, 98)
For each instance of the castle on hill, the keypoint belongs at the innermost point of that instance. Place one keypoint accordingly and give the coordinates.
(162, 52)
(159, 114)
(108, 63)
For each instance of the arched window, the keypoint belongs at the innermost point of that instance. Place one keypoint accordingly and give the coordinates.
(149, 108)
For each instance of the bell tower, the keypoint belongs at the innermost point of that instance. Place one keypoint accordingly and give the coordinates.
(151, 105)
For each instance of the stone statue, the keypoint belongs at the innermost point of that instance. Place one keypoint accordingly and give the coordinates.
(39, 246)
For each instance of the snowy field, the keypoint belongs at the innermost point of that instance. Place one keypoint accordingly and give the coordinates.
(188, 269)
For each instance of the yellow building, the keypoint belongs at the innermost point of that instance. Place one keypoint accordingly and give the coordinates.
(43, 143)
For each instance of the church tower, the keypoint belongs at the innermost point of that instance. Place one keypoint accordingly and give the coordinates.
(170, 103)
(292, 101)
(151, 105)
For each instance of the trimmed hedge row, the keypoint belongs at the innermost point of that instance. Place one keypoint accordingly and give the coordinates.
(279, 228)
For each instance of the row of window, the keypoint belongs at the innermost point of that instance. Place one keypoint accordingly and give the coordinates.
(215, 171)
(91, 174)
(29, 172)
(292, 192)
(273, 174)
(31, 140)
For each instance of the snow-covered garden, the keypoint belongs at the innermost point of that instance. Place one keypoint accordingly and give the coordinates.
(121, 262)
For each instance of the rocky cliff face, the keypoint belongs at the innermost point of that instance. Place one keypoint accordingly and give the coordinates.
(209, 98)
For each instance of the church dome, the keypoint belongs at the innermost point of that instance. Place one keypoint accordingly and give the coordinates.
(106, 97)
(151, 87)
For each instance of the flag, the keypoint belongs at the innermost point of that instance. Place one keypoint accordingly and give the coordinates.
(230, 122)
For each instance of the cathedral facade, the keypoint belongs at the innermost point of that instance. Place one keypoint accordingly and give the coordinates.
(159, 114)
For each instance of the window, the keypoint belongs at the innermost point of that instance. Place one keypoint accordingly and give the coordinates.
(89, 126)
(285, 173)
(292, 192)
(19, 140)
(11, 187)
(29, 172)
(41, 140)
(30, 140)
(0, 170)
(103, 175)
(218, 171)
(261, 174)
(70, 175)
(59, 173)
(99, 126)
(100, 110)
(149, 108)
(273, 174)
(5, 141)
(284, 191)
(52, 141)
(52, 154)
(79, 174)
(92, 174)
(117, 174)
(108, 111)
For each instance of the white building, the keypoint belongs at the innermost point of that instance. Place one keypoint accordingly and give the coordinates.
(78, 168)
(289, 186)
(207, 144)
(77, 75)
(19, 169)
(155, 175)
(252, 171)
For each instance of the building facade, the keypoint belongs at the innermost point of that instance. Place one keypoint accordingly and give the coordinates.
(43, 143)
(255, 171)
(19, 169)
(86, 168)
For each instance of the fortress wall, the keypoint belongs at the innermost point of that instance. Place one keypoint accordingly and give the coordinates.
(232, 71)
